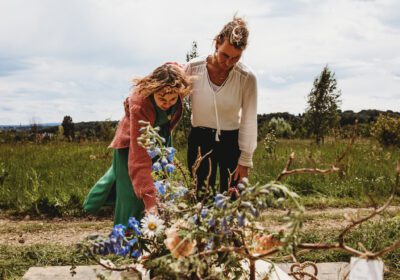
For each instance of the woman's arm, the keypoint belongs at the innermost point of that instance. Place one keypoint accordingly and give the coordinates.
(139, 162)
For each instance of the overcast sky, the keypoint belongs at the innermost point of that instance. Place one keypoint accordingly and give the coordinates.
(76, 57)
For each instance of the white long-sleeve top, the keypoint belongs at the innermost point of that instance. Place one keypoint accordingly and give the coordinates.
(232, 106)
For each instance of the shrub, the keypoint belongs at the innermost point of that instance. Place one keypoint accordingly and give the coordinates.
(387, 130)
(281, 127)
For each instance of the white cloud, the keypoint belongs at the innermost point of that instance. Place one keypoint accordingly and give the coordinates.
(76, 57)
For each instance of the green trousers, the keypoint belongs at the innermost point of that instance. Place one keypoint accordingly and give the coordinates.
(115, 188)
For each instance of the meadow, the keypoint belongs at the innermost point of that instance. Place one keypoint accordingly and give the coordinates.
(52, 180)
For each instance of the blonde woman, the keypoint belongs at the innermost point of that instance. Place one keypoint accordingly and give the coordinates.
(224, 109)
(157, 98)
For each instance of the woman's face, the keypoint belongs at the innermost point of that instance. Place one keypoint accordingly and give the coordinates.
(227, 55)
(164, 101)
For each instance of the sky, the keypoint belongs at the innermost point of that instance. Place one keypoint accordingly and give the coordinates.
(77, 57)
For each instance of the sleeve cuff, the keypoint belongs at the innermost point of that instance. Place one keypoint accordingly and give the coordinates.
(246, 159)
(149, 201)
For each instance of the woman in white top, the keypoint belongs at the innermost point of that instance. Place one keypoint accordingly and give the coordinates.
(224, 111)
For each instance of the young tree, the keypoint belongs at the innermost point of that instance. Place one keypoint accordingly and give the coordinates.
(68, 126)
(182, 131)
(323, 104)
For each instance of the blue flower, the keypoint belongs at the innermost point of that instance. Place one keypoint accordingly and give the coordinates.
(219, 197)
(153, 152)
(211, 222)
(204, 212)
(241, 219)
(118, 231)
(220, 203)
(170, 153)
(170, 168)
(164, 161)
(160, 187)
(136, 254)
(224, 223)
(135, 225)
(157, 166)
(132, 242)
(122, 251)
(195, 219)
(181, 191)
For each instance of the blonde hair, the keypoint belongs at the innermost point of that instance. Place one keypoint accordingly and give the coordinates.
(236, 32)
(168, 77)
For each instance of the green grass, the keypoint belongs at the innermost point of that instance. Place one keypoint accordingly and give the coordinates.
(374, 236)
(368, 171)
(15, 260)
(50, 179)
(53, 179)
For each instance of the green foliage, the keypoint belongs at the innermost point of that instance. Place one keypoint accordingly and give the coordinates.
(281, 128)
(107, 130)
(16, 260)
(270, 143)
(323, 104)
(182, 130)
(68, 126)
(387, 130)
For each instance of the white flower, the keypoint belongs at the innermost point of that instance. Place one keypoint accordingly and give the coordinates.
(152, 225)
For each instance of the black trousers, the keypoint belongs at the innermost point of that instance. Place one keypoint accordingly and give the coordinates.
(225, 155)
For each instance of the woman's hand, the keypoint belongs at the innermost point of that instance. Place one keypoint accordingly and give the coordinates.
(153, 211)
(241, 172)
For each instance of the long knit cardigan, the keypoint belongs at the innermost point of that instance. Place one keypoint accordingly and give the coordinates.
(139, 162)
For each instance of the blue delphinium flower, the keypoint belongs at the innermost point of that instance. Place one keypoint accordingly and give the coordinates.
(170, 153)
(224, 224)
(136, 254)
(135, 225)
(220, 200)
(157, 166)
(241, 219)
(122, 251)
(204, 212)
(118, 231)
(195, 218)
(160, 187)
(164, 161)
(132, 242)
(153, 152)
(170, 168)
(181, 191)
(211, 222)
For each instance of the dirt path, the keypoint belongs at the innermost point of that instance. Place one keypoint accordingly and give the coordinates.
(68, 232)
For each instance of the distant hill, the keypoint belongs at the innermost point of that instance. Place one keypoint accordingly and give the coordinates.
(26, 126)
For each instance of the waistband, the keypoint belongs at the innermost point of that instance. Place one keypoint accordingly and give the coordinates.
(213, 130)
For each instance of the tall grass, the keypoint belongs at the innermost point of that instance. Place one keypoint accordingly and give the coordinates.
(54, 178)
(367, 172)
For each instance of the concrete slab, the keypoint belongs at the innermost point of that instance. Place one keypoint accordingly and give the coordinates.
(326, 271)
(89, 272)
